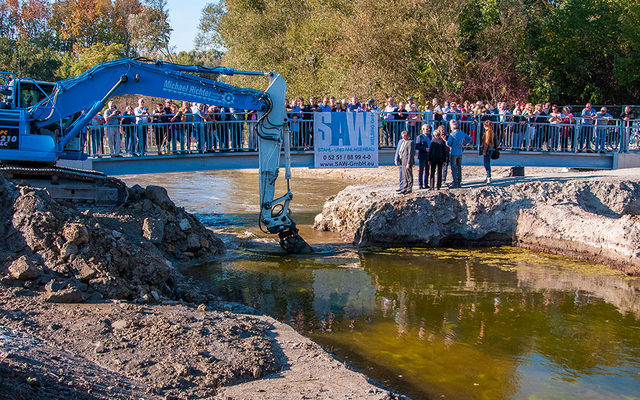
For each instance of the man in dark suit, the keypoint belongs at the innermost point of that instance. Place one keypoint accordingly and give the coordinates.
(406, 158)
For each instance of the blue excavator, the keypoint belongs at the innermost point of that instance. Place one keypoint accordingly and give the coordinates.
(41, 122)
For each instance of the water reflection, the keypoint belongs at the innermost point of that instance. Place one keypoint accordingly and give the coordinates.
(449, 323)
(462, 324)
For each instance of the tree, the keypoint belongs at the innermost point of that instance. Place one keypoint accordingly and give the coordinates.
(83, 59)
(150, 30)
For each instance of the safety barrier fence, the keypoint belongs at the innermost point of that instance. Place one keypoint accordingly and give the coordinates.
(513, 133)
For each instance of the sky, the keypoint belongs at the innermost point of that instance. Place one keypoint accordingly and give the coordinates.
(184, 17)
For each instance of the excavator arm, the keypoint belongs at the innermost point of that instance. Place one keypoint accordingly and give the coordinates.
(80, 98)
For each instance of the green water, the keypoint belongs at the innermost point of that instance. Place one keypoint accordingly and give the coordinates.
(497, 323)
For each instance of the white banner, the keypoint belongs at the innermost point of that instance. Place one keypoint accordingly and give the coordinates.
(345, 139)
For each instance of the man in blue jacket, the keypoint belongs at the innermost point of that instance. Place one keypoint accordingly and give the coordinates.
(422, 145)
(456, 140)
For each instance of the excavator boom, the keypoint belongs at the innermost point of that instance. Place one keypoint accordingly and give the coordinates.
(41, 121)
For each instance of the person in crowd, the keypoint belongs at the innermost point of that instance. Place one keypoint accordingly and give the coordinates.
(406, 160)
(422, 146)
(410, 105)
(427, 116)
(555, 119)
(457, 139)
(142, 121)
(542, 127)
(177, 131)
(400, 173)
(235, 128)
(252, 127)
(112, 119)
(518, 128)
(158, 129)
(567, 129)
(505, 125)
(354, 105)
(371, 107)
(488, 146)
(388, 117)
(586, 130)
(602, 122)
(187, 119)
(287, 107)
(414, 121)
(447, 156)
(437, 112)
(530, 129)
(447, 116)
(197, 114)
(127, 122)
(294, 129)
(400, 120)
(627, 117)
(166, 127)
(463, 117)
(332, 103)
(95, 132)
(296, 107)
(437, 155)
(307, 125)
(474, 118)
(325, 107)
(492, 112)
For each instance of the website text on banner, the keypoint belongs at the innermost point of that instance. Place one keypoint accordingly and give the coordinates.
(345, 140)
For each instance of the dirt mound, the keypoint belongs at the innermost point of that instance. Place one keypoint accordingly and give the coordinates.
(73, 253)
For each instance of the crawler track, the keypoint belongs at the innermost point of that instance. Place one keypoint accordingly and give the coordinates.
(56, 175)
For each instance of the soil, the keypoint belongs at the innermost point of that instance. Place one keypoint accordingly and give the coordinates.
(92, 306)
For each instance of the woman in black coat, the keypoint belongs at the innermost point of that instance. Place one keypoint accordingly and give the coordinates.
(437, 156)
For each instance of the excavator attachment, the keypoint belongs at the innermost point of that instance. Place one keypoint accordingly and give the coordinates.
(292, 242)
(275, 212)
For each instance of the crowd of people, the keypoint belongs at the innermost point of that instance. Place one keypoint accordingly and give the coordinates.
(169, 127)
(438, 150)
(525, 126)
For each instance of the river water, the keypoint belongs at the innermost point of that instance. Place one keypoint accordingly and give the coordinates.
(497, 323)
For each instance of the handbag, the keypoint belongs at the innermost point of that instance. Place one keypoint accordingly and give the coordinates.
(496, 154)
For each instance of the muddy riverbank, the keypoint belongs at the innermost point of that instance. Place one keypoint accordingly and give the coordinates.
(93, 307)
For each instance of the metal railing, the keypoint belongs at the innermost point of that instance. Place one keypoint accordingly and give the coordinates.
(517, 133)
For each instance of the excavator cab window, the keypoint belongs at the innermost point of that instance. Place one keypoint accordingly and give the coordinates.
(32, 92)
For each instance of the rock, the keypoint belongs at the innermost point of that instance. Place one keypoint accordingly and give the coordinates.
(516, 171)
(181, 369)
(193, 242)
(24, 269)
(83, 271)
(120, 324)
(68, 249)
(153, 230)
(76, 233)
(584, 218)
(116, 234)
(154, 295)
(68, 295)
(185, 226)
(55, 285)
(159, 196)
